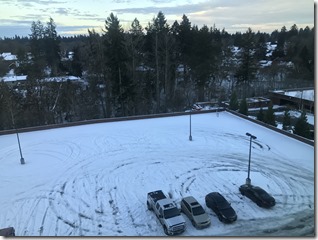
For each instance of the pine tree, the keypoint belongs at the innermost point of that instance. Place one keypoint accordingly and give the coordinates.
(302, 127)
(260, 115)
(117, 58)
(246, 71)
(52, 47)
(270, 116)
(286, 120)
(234, 105)
(243, 107)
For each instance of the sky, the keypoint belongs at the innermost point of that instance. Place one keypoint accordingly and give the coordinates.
(93, 180)
(77, 16)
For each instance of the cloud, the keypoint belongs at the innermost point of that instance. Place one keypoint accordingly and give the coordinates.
(41, 2)
(75, 30)
(162, 1)
(62, 11)
(234, 15)
(121, 1)
(153, 10)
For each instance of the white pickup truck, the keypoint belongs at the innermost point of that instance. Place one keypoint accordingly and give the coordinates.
(167, 212)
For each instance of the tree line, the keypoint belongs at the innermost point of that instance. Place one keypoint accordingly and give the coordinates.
(156, 69)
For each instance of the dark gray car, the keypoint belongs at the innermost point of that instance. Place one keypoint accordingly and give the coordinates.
(221, 207)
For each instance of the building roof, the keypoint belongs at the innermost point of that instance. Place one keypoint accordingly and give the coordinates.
(306, 94)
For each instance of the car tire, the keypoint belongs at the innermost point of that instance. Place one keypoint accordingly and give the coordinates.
(148, 206)
(165, 230)
(193, 223)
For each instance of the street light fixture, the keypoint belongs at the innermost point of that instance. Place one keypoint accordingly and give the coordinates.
(248, 180)
(190, 136)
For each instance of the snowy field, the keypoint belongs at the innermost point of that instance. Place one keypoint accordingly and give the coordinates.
(93, 180)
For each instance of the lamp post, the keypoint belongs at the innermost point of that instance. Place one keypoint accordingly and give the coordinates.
(13, 122)
(190, 136)
(248, 180)
(21, 159)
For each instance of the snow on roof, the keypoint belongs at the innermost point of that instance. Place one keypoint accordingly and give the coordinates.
(62, 79)
(270, 48)
(14, 78)
(7, 56)
(265, 63)
(93, 179)
(303, 94)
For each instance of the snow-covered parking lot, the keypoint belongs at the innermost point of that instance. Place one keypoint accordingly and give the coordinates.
(93, 180)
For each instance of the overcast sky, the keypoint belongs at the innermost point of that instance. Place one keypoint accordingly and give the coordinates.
(76, 16)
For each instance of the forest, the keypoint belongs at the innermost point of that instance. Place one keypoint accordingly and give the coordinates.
(157, 69)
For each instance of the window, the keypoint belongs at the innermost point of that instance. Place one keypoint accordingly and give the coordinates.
(198, 211)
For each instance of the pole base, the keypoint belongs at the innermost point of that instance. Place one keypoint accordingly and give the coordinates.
(22, 161)
(248, 181)
(190, 138)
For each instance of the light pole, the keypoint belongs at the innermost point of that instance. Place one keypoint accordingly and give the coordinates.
(21, 159)
(248, 180)
(190, 136)
(13, 122)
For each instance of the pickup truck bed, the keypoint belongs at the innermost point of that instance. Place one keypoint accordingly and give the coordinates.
(157, 195)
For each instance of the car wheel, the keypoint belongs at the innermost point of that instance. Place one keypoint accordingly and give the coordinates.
(148, 206)
(193, 223)
(165, 230)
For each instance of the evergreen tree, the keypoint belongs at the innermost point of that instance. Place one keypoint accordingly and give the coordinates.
(99, 97)
(286, 120)
(243, 107)
(76, 63)
(52, 47)
(117, 58)
(157, 55)
(260, 116)
(302, 127)
(246, 71)
(234, 105)
(270, 116)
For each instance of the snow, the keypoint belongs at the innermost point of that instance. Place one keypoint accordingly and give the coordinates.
(93, 180)
(14, 78)
(62, 79)
(270, 49)
(7, 56)
(302, 94)
(297, 114)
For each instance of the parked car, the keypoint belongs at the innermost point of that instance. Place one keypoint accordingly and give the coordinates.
(7, 232)
(257, 195)
(195, 212)
(221, 207)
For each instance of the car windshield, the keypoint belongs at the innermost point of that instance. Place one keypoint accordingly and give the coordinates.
(262, 193)
(198, 211)
(223, 205)
(172, 212)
